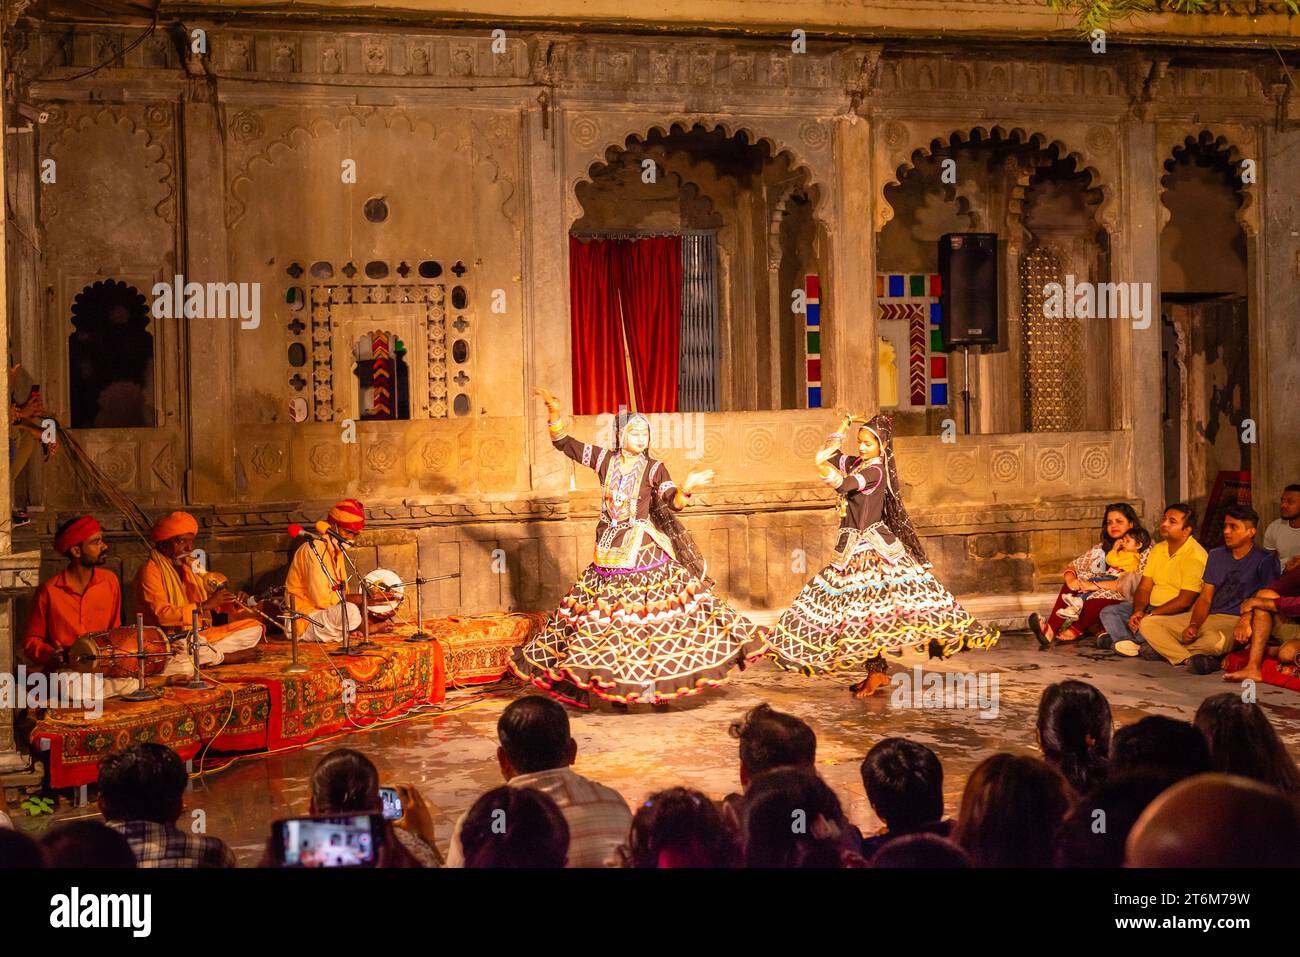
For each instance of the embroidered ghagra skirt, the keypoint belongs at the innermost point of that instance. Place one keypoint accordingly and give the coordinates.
(646, 634)
(874, 601)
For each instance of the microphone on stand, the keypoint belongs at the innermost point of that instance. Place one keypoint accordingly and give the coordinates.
(297, 531)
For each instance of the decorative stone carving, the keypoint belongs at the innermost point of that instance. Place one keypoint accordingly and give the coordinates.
(1005, 464)
(437, 454)
(284, 58)
(118, 464)
(584, 130)
(375, 53)
(814, 135)
(239, 56)
(758, 443)
(246, 126)
(1051, 463)
(959, 466)
(807, 442)
(382, 456)
(325, 459)
(1095, 462)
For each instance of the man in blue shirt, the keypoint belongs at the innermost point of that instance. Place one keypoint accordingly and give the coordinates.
(1233, 573)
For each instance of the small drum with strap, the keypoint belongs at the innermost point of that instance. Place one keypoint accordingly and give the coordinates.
(386, 593)
(114, 653)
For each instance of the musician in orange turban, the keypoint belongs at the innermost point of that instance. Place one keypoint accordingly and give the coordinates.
(318, 576)
(172, 585)
(84, 597)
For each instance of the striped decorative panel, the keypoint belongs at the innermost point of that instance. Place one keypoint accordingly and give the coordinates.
(812, 325)
(697, 354)
(907, 315)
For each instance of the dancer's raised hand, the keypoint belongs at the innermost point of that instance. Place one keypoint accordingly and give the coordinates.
(550, 398)
(696, 480)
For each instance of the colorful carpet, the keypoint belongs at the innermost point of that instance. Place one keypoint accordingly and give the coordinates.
(1284, 676)
(258, 707)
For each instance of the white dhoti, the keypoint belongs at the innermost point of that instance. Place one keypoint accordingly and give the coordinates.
(327, 624)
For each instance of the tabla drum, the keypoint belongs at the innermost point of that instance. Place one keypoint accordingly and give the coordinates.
(388, 583)
(114, 653)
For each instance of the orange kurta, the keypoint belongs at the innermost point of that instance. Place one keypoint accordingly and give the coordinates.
(310, 586)
(160, 606)
(60, 614)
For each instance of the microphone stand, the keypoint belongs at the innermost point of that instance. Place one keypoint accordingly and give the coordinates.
(365, 644)
(197, 682)
(420, 633)
(142, 693)
(288, 622)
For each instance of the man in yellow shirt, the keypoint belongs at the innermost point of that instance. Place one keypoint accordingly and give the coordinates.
(1170, 585)
(168, 590)
(318, 570)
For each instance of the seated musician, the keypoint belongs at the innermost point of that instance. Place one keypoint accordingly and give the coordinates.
(85, 597)
(316, 572)
(168, 590)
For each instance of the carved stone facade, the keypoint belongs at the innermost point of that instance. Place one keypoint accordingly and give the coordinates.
(266, 154)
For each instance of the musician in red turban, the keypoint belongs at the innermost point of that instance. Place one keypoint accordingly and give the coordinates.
(173, 584)
(84, 597)
(318, 576)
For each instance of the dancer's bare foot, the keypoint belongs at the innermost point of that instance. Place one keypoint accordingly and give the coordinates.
(1244, 674)
(869, 685)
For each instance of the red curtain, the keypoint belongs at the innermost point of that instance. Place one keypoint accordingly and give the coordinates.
(646, 276)
(599, 371)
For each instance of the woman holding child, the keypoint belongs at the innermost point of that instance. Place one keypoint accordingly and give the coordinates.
(1106, 574)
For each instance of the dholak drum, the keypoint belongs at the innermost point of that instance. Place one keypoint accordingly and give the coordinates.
(386, 593)
(114, 653)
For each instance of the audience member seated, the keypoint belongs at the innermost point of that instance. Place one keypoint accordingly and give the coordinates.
(769, 739)
(1282, 537)
(86, 844)
(1086, 839)
(1071, 617)
(791, 818)
(141, 795)
(1217, 820)
(347, 782)
(1010, 811)
(1244, 742)
(680, 828)
(1274, 616)
(1074, 730)
(536, 751)
(920, 850)
(1233, 573)
(513, 826)
(1170, 583)
(18, 850)
(904, 783)
(1161, 745)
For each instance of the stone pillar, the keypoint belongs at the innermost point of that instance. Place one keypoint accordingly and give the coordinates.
(1274, 305)
(1137, 259)
(849, 336)
(545, 288)
(209, 363)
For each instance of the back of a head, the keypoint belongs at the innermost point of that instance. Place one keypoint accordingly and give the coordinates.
(19, 850)
(792, 819)
(145, 782)
(1243, 741)
(1115, 805)
(904, 783)
(1010, 810)
(772, 739)
(86, 844)
(1074, 731)
(1217, 820)
(510, 827)
(920, 850)
(1161, 745)
(681, 828)
(345, 781)
(534, 732)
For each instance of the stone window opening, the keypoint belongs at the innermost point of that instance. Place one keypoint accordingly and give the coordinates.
(383, 377)
(111, 359)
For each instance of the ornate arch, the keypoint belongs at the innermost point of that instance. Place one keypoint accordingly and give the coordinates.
(1174, 142)
(902, 154)
(591, 138)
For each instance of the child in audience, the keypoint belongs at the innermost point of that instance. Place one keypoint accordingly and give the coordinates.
(1122, 574)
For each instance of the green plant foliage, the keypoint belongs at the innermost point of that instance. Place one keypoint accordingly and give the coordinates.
(1099, 14)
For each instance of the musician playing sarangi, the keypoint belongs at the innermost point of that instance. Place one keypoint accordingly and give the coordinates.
(168, 590)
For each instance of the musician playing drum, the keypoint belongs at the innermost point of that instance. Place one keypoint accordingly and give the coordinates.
(168, 590)
(84, 597)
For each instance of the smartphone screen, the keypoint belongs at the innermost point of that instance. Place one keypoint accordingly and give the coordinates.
(343, 841)
(393, 809)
